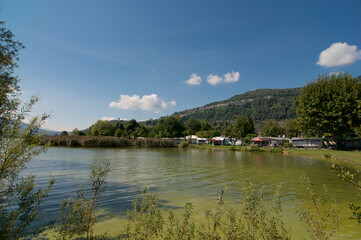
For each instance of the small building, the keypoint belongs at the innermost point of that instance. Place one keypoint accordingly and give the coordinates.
(220, 141)
(201, 141)
(307, 142)
(269, 141)
(192, 139)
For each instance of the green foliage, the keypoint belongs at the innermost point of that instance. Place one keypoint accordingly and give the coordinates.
(288, 145)
(356, 212)
(206, 125)
(272, 129)
(19, 200)
(100, 141)
(321, 218)
(184, 144)
(102, 128)
(78, 216)
(64, 133)
(291, 128)
(169, 127)
(254, 148)
(254, 218)
(243, 126)
(277, 150)
(9, 50)
(345, 175)
(330, 106)
(193, 126)
(260, 105)
(145, 220)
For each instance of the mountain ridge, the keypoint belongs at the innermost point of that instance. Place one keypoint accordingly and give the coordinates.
(260, 104)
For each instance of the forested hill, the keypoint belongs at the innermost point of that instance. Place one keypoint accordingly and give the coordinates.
(261, 104)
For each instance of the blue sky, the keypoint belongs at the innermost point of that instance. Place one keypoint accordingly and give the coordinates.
(89, 59)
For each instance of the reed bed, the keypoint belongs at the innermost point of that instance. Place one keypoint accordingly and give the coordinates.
(103, 141)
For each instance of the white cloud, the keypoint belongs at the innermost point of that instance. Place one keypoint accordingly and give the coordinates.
(108, 118)
(339, 54)
(147, 102)
(214, 79)
(194, 79)
(231, 77)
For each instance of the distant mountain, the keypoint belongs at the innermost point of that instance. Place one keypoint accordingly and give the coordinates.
(46, 132)
(261, 104)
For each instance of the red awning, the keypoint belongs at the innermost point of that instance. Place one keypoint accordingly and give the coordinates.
(258, 140)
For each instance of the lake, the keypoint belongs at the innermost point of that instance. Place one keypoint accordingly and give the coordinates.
(181, 175)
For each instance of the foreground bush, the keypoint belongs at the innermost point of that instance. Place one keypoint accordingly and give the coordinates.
(253, 218)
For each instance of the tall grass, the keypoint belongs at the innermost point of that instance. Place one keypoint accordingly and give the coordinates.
(100, 141)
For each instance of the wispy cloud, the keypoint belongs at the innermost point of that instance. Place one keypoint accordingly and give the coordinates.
(148, 102)
(194, 79)
(339, 54)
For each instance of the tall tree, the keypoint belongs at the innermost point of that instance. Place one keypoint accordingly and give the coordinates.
(193, 126)
(330, 106)
(9, 50)
(272, 128)
(243, 126)
(169, 127)
(102, 128)
(19, 200)
(291, 128)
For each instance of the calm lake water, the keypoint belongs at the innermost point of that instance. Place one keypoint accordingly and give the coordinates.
(195, 175)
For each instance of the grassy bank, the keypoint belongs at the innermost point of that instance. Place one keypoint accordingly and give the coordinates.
(100, 141)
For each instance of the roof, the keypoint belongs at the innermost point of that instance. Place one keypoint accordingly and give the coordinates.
(191, 137)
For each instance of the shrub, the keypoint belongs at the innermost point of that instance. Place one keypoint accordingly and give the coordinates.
(77, 217)
(321, 219)
(288, 145)
(277, 150)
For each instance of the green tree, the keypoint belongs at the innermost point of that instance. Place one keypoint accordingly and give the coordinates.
(64, 133)
(169, 127)
(228, 131)
(206, 125)
(19, 200)
(9, 51)
(272, 129)
(243, 126)
(119, 128)
(74, 132)
(131, 128)
(102, 128)
(291, 128)
(193, 126)
(330, 106)
(142, 131)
